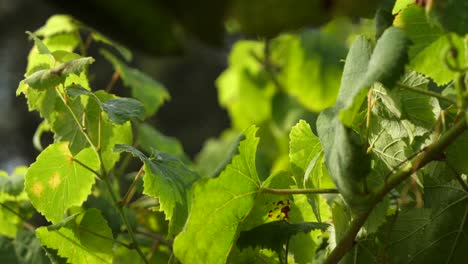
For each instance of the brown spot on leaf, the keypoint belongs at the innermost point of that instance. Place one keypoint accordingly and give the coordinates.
(55, 180)
(37, 189)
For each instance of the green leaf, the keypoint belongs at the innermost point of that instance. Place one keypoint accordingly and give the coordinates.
(452, 15)
(244, 88)
(219, 205)
(127, 148)
(121, 110)
(126, 53)
(88, 239)
(313, 69)
(168, 179)
(44, 79)
(7, 250)
(401, 5)
(28, 249)
(274, 235)
(57, 24)
(144, 88)
(354, 72)
(56, 182)
(97, 124)
(216, 151)
(388, 60)
(456, 154)
(429, 43)
(9, 221)
(150, 138)
(304, 151)
(436, 232)
(345, 157)
(76, 90)
(41, 47)
(13, 184)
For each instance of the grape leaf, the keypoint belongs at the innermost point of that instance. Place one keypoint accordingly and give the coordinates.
(88, 239)
(95, 123)
(57, 24)
(345, 157)
(214, 152)
(28, 249)
(274, 235)
(170, 180)
(7, 250)
(150, 138)
(312, 70)
(354, 72)
(388, 59)
(44, 79)
(436, 233)
(9, 220)
(41, 47)
(56, 182)
(126, 53)
(144, 88)
(219, 205)
(452, 15)
(429, 42)
(304, 151)
(121, 110)
(244, 88)
(12, 184)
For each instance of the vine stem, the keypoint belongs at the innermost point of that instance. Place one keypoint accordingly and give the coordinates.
(433, 152)
(131, 190)
(427, 92)
(297, 191)
(126, 222)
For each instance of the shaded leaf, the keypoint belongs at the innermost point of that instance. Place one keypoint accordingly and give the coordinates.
(435, 233)
(88, 239)
(388, 60)
(29, 250)
(126, 53)
(354, 72)
(452, 15)
(274, 235)
(144, 88)
(150, 138)
(168, 179)
(121, 110)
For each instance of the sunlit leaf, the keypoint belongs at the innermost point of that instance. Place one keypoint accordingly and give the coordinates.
(58, 181)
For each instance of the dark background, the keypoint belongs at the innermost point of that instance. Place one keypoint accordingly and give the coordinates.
(187, 67)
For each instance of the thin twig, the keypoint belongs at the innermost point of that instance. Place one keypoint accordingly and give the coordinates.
(115, 77)
(126, 222)
(131, 190)
(427, 92)
(298, 191)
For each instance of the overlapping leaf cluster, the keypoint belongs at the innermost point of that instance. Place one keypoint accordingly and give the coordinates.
(308, 160)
